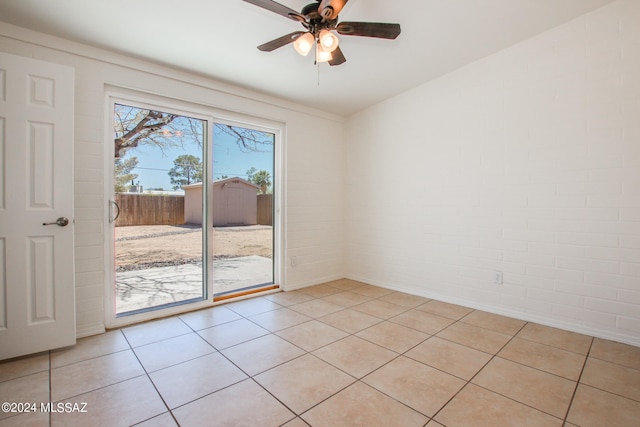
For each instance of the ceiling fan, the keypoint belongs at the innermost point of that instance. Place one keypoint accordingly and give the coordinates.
(320, 19)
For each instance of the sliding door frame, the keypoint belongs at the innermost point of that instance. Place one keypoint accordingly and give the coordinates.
(211, 116)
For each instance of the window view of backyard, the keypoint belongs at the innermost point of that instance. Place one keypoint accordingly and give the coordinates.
(160, 165)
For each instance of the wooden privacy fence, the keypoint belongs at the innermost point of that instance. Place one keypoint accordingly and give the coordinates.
(149, 209)
(265, 209)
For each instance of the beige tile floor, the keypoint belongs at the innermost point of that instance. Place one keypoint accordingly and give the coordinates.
(339, 354)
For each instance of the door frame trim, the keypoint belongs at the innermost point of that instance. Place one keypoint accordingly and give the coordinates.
(211, 114)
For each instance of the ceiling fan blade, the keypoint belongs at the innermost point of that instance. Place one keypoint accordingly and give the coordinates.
(329, 9)
(337, 57)
(277, 8)
(280, 41)
(369, 29)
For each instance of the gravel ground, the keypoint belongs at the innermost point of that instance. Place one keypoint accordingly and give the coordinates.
(149, 246)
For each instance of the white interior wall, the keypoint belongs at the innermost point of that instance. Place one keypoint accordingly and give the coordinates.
(526, 162)
(312, 164)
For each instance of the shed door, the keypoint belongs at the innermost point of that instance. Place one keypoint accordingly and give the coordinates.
(37, 307)
(235, 205)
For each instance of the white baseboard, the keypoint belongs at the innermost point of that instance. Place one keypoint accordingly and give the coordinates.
(314, 282)
(546, 321)
(90, 330)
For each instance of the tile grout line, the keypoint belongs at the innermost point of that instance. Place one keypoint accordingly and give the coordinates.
(150, 380)
(354, 334)
(251, 377)
(382, 320)
(310, 353)
(494, 355)
(360, 380)
(577, 381)
(613, 393)
(306, 352)
(575, 390)
(459, 320)
(348, 334)
(92, 358)
(527, 366)
(479, 370)
(170, 411)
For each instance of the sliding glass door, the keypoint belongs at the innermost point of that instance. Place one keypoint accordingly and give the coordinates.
(159, 243)
(242, 210)
(192, 209)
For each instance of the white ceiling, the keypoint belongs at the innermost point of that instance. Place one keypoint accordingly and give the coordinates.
(218, 38)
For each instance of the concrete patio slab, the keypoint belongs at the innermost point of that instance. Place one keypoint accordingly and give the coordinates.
(157, 286)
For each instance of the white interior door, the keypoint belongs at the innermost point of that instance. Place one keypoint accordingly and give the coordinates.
(37, 307)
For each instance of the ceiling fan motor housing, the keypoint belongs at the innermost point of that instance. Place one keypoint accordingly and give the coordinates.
(311, 11)
(327, 10)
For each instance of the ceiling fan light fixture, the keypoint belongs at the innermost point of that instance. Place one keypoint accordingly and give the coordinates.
(304, 44)
(328, 41)
(323, 55)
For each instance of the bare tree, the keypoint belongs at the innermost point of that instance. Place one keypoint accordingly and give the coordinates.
(135, 127)
(248, 139)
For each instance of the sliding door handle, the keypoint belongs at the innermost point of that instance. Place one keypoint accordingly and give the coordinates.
(112, 204)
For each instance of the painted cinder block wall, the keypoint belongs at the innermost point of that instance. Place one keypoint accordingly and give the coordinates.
(525, 162)
(313, 166)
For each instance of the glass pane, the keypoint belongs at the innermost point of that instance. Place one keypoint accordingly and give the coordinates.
(242, 208)
(158, 159)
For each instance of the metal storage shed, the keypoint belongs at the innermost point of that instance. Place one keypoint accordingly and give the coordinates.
(234, 202)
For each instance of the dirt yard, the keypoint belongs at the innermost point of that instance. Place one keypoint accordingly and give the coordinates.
(159, 245)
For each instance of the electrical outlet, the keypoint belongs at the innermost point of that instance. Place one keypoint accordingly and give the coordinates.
(294, 261)
(497, 277)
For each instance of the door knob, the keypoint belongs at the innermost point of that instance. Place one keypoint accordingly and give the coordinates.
(62, 222)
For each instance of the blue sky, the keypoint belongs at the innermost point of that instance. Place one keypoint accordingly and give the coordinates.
(154, 165)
